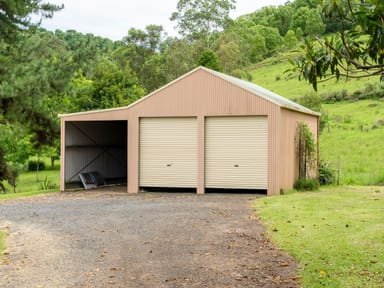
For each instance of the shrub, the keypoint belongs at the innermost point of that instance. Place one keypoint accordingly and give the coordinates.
(33, 165)
(327, 175)
(303, 184)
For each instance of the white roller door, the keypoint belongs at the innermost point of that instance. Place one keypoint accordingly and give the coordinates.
(168, 152)
(236, 155)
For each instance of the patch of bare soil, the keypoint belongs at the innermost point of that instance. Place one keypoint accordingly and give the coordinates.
(111, 239)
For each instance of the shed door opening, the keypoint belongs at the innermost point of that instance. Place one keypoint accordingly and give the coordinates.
(168, 152)
(95, 146)
(236, 152)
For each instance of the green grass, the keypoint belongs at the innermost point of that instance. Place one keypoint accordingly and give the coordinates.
(355, 139)
(335, 235)
(2, 239)
(10, 196)
(29, 184)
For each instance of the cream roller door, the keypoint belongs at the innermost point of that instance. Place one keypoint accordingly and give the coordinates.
(236, 155)
(168, 152)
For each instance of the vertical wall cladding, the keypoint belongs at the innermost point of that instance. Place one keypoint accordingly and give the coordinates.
(202, 94)
(289, 161)
(199, 94)
(95, 146)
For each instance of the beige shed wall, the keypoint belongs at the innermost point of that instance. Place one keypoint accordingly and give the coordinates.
(201, 94)
(289, 168)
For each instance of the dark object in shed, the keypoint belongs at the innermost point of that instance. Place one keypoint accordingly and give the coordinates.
(91, 179)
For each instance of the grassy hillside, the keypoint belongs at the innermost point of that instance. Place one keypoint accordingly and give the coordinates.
(354, 140)
(271, 74)
(354, 137)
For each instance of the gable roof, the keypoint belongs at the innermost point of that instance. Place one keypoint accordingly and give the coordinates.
(249, 86)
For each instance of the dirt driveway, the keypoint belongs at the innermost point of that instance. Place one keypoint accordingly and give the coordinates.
(111, 239)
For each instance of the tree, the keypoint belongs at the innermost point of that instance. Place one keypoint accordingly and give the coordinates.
(199, 19)
(228, 51)
(114, 86)
(290, 40)
(300, 18)
(179, 58)
(272, 37)
(210, 60)
(15, 15)
(276, 17)
(354, 53)
(251, 41)
(314, 23)
(16, 26)
(142, 48)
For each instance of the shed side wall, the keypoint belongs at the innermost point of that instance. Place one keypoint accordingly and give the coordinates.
(289, 168)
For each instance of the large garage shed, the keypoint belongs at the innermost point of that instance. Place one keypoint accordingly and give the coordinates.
(205, 130)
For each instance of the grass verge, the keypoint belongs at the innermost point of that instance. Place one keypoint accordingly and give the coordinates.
(2, 239)
(10, 196)
(335, 235)
(32, 183)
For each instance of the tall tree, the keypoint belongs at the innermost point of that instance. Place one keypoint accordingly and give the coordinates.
(199, 19)
(142, 48)
(15, 75)
(15, 15)
(355, 53)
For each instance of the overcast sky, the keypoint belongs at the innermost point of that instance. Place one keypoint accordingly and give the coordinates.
(113, 18)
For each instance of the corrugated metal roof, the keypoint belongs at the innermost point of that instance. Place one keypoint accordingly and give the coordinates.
(264, 93)
(251, 87)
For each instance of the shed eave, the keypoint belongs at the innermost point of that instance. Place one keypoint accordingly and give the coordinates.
(132, 104)
(317, 114)
(92, 112)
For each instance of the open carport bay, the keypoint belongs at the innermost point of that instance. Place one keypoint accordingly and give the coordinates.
(113, 239)
(96, 146)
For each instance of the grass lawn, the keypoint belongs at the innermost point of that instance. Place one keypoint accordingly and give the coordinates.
(30, 184)
(336, 235)
(2, 239)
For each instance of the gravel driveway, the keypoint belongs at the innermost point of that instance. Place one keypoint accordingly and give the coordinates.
(112, 239)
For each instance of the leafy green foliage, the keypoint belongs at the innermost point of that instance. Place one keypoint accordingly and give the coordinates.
(355, 53)
(305, 184)
(34, 165)
(14, 15)
(327, 174)
(210, 60)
